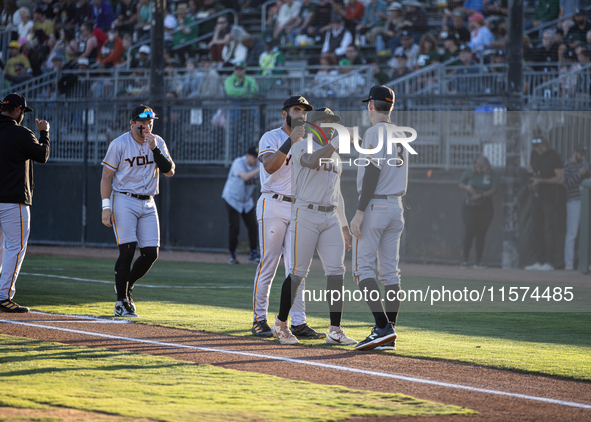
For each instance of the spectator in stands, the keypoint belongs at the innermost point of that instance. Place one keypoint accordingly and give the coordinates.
(480, 35)
(546, 10)
(41, 22)
(467, 84)
(458, 28)
(88, 44)
(235, 51)
(350, 83)
(380, 77)
(451, 49)
(561, 50)
(480, 183)
(352, 55)
(321, 20)
(496, 7)
(498, 27)
(221, 38)
(558, 35)
(39, 52)
(584, 58)
(7, 16)
(337, 39)
(409, 48)
(255, 47)
(142, 61)
(547, 170)
(211, 86)
(578, 26)
(568, 7)
(192, 80)
(25, 28)
(21, 75)
(327, 74)
(239, 84)
(111, 52)
(184, 21)
(570, 67)
(271, 59)
(497, 57)
(173, 81)
(15, 57)
(415, 19)
(125, 16)
(547, 51)
(125, 60)
(208, 8)
(287, 18)
(428, 53)
(102, 14)
(373, 21)
(170, 24)
(401, 69)
(143, 20)
(576, 169)
(352, 13)
(83, 13)
(304, 20)
(391, 33)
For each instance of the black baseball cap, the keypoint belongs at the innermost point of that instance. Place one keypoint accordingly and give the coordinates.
(381, 93)
(297, 100)
(579, 11)
(254, 151)
(18, 100)
(582, 149)
(569, 54)
(142, 112)
(323, 112)
(465, 48)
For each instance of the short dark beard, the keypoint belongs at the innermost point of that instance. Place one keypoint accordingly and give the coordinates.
(289, 122)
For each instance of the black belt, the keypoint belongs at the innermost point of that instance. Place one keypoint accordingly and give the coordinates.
(136, 196)
(285, 198)
(329, 208)
(383, 196)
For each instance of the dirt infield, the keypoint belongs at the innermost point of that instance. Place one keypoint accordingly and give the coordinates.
(451, 383)
(572, 278)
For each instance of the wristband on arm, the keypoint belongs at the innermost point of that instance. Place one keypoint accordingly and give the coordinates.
(162, 162)
(286, 146)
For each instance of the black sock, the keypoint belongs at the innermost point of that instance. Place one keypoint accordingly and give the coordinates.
(289, 290)
(335, 283)
(392, 302)
(368, 286)
(142, 264)
(122, 269)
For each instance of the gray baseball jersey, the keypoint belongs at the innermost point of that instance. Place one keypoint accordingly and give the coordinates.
(316, 228)
(393, 179)
(383, 219)
(134, 166)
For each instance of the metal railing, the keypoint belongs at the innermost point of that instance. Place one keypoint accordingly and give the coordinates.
(551, 24)
(264, 8)
(571, 88)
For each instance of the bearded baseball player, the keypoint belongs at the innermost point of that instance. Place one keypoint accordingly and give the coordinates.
(318, 222)
(274, 216)
(379, 221)
(128, 185)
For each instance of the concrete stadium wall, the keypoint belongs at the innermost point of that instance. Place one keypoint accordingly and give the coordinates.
(193, 214)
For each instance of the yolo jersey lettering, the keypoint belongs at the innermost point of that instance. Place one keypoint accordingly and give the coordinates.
(133, 164)
(393, 178)
(280, 181)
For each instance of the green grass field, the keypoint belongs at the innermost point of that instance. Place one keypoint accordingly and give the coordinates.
(555, 344)
(41, 375)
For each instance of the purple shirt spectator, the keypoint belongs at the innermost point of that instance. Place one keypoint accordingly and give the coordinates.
(102, 14)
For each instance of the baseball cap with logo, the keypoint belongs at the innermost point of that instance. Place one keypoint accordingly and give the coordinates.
(83, 61)
(297, 100)
(145, 49)
(254, 151)
(14, 44)
(323, 112)
(16, 99)
(240, 63)
(465, 48)
(579, 11)
(142, 112)
(380, 93)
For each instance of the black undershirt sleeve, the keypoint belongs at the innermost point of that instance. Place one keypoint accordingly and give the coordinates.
(369, 185)
(286, 146)
(163, 163)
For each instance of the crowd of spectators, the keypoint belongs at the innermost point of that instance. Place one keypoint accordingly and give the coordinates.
(397, 38)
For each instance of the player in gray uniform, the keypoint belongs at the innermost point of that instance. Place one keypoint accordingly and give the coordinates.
(379, 221)
(128, 185)
(318, 222)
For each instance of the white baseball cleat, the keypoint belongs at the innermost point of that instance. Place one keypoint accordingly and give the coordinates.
(534, 267)
(336, 335)
(280, 330)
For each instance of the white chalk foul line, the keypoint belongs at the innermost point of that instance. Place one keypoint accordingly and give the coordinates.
(63, 277)
(311, 363)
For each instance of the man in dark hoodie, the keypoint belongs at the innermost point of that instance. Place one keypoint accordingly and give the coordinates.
(18, 149)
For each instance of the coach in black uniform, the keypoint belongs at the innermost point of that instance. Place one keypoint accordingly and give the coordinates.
(18, 149)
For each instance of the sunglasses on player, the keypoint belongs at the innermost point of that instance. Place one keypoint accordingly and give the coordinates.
(145, 115)
(536, 141)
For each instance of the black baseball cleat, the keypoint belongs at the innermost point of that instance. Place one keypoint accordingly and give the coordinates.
(261, 329)
(122, 309)
(129, 298)
(306, 331)
(378, 337)
(8, 305)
